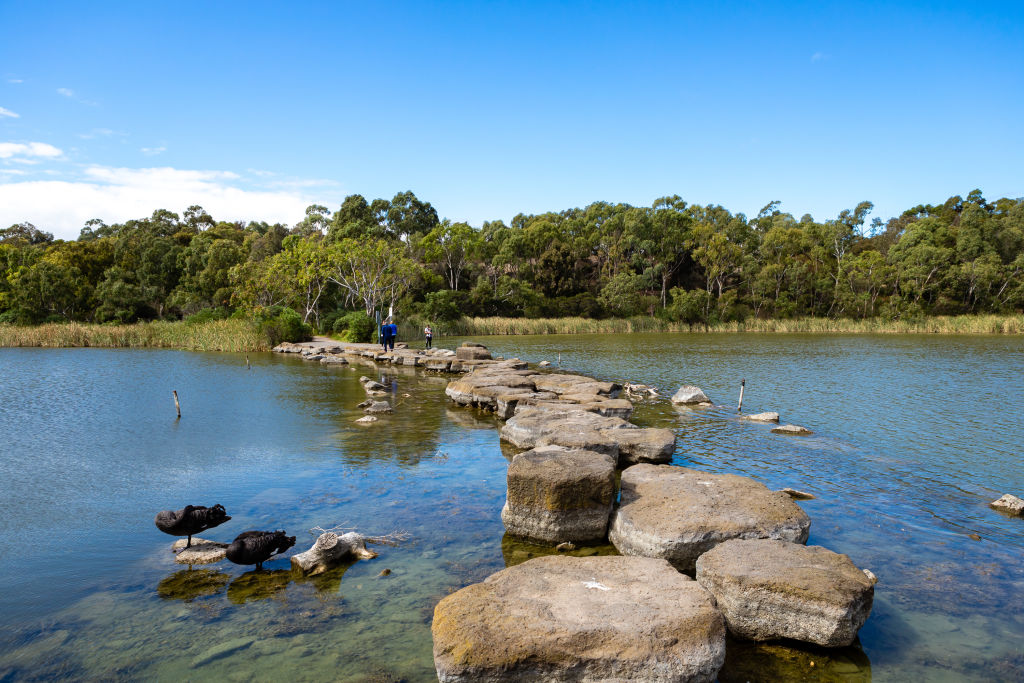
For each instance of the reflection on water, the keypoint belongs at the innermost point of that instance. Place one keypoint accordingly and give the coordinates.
(902, 475)
(189, 584)
(748, 662)
(258, 584)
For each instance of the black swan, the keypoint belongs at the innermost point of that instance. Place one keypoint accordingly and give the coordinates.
(256, 547)
(192, 519)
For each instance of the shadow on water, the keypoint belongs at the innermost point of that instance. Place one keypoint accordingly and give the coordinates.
(752, 662)
(516, 550)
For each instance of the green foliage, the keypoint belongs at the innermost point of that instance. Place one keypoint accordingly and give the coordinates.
(444, 306)
(673, 261)
(354, 326)
(280, 324)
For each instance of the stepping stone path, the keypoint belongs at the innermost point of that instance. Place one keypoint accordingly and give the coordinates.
(556, 494)
(580, 619)
(773, 589)
(610, 618)
(679, 514)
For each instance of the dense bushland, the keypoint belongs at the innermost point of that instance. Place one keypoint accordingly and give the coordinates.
(673, 265)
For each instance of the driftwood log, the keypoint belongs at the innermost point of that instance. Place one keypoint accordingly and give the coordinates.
(329, 550)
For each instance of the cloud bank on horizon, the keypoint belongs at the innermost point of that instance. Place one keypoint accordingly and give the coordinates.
(115, 195)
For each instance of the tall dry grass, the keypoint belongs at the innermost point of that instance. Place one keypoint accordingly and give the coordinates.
(217, 335)
(961, 324)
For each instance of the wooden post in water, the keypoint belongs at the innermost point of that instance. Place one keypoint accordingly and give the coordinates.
(247, 367)
(743, 383)
(177, 406)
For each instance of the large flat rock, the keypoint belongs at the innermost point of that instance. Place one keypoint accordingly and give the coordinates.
(773, 589)
(580, 619)
(557, 494)
(644, 445)
(678, 514)
(570, 427)
(202, 551)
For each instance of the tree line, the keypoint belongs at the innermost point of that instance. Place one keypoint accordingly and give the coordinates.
(684, 262)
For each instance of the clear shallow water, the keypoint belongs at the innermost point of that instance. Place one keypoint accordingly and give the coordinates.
(913, 437)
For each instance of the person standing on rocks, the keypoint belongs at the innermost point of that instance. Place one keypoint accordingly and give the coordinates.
(428, 334)
(392, 333)
(382, 335)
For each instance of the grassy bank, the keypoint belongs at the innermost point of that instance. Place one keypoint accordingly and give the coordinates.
(963, 324)
(216, 335)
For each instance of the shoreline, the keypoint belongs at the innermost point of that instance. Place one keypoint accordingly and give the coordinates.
(240, 336)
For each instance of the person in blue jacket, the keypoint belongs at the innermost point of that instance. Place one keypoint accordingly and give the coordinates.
(392, 334)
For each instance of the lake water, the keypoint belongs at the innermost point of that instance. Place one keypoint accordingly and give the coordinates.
(913, 436)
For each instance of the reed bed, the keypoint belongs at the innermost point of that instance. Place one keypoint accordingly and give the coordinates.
(216, 335)
(961, 324)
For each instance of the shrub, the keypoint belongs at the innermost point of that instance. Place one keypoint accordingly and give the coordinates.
(355, 326)
(279, 324)
(688, 306)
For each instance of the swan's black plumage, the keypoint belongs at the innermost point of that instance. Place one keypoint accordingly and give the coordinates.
(191, 519)
(256, 547)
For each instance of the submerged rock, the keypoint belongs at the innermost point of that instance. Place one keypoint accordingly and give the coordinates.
(367, 419)
(202, 551)
(689, 394)
(580, 619)
(378, 407)
(761, 417)
(224, 649)
(556, 494)
(771, 589)
(678, 514)
(747, 661)
(792, 430)
(1009, 503)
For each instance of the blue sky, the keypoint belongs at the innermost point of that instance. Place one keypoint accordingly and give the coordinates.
(255, 110)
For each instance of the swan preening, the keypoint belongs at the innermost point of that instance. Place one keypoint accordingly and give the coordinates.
(192, 519)
(256, 547)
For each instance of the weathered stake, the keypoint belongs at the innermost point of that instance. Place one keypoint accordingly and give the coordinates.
(247, 362)
(177, 406)
(739, 408)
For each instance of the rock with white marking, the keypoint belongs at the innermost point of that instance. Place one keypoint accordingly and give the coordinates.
(563, 618)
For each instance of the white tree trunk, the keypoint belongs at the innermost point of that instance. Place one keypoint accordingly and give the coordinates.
(329, 550)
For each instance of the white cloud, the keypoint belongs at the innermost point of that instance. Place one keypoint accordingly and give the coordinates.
(818, 56)
(15, 80)
(100, 133)
(11, 171)
(118, 194)
(16, 151)
(8, 113)
(153, 151)
(66, 92)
